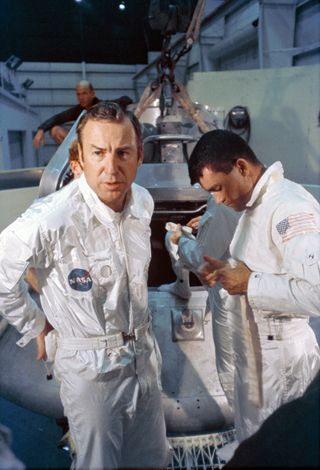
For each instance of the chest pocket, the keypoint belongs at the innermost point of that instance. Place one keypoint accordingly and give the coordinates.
(302, 257)
(105, 269)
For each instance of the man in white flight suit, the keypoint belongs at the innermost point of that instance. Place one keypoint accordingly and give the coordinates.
(275, 268)
(215, 230)
(89, 244)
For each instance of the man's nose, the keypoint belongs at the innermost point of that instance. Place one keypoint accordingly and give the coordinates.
(110, 164)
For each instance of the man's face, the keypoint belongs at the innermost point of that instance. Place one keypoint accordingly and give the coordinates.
(109, 158)
(233, 189)
(85, 96)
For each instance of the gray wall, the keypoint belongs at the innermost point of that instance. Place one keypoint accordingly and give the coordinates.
(249, 34)
(17, 121)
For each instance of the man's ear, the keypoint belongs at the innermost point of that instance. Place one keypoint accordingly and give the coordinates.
(242, 166)
(73, 164)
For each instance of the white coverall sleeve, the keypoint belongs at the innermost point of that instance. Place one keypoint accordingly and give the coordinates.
(16, 304)
(190, 253)
(297, 290)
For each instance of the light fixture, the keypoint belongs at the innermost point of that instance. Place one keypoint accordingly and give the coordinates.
(122, 6)
(238, 121)
(239, 117)
(27, 83)
(13, 62)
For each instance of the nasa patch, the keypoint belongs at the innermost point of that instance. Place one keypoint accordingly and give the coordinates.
(80, 279)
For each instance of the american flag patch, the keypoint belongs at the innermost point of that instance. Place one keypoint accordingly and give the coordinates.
(297, 224)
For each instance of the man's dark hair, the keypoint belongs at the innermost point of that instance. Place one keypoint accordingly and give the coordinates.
(218, 150)
(110, 111)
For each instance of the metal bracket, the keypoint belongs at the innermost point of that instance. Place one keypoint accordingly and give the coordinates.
(187, 324)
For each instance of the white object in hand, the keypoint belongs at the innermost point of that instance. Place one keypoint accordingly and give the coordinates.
(187, 231)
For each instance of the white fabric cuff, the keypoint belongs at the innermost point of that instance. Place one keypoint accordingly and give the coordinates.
(36, 327)
(253, 294)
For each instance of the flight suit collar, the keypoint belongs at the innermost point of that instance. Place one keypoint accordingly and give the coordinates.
(134, 205)
(271, 175)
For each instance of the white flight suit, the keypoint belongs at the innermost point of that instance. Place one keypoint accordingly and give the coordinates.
(278, 239)
(215, 232)
(92, 265)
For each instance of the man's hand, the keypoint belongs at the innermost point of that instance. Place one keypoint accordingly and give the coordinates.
(38, 139)
(41, 346)
(176, 234)
(194, 223)
(207, 272)
(32, 279)
(58, 134)
(234, 280)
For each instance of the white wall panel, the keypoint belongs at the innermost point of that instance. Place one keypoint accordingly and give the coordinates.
(283, 104)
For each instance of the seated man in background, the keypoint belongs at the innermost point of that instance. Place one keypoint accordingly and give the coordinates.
(86, 97)
(215, 230)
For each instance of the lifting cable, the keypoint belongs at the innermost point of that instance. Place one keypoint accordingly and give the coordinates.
(165, 73)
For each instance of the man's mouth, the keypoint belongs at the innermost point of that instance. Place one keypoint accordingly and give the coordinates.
(113, 184)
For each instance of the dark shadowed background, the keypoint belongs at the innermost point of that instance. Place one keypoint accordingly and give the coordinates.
(94, 31)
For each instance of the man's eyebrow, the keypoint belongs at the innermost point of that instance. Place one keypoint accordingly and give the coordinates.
(121, 147)
(96, 147)
(125, 147)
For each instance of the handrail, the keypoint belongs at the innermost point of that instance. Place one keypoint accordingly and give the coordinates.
(169, 138)
(23, 178)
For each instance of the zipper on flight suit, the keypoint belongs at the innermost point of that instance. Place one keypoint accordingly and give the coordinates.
(131, 329)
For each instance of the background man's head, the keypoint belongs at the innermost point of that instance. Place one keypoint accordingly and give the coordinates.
(85, 93)
(110, 151)
(224, 164)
